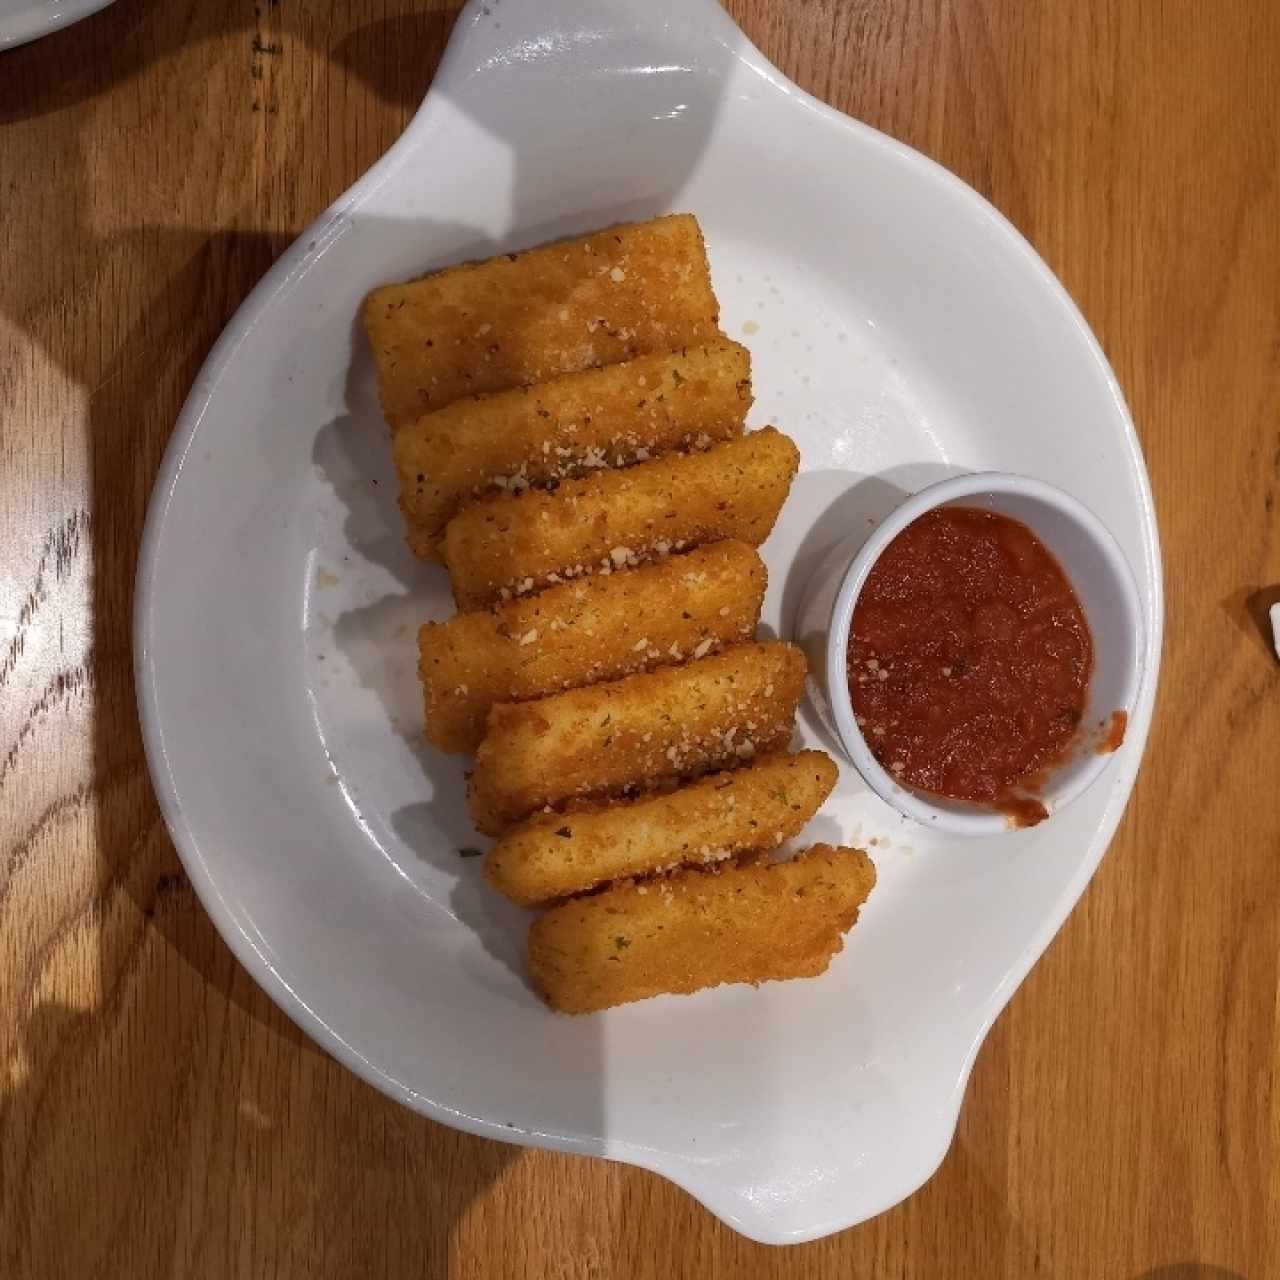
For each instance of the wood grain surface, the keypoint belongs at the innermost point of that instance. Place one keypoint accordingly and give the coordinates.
(158, 1116)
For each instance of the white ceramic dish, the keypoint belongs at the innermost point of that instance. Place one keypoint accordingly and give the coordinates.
(1096, 567)
(901, 331)
(23, 20)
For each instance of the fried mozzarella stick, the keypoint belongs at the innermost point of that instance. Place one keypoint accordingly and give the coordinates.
(697, 929)
(585, 631)
(723, 815)
(523, 317)
(537, 436)
(636, 733)
(509, 545)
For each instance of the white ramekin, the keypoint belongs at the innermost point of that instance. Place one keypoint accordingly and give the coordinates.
(1098, 570)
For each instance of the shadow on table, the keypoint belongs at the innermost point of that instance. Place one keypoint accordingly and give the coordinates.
(174, 1024)
(1249, 608)
(396, 55)
(197, 1145)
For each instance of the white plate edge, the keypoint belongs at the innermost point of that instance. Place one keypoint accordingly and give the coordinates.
(43, 19)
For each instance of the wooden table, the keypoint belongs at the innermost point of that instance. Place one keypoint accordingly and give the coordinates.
(158, 1116)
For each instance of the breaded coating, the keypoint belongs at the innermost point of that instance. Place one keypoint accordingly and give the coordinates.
(635, 734)
(523, 317)
(510, 545)
(557, 430)
(723, 815)
(585, 631)
(699, 928)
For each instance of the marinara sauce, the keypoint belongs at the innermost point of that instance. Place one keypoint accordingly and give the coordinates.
(969, 659)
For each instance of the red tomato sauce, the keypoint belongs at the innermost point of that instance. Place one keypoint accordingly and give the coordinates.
(1113, 737)
(969, 659)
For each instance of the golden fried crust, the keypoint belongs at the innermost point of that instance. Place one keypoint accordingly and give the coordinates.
(699, 928)
(510, 545)
(564, 428)
(585, 631)
(635, 734)
(524, 317)
(721, 816)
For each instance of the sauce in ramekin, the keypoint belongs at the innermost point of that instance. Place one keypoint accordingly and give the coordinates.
(969, 660)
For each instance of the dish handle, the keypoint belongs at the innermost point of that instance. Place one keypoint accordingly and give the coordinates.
(575, 50)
